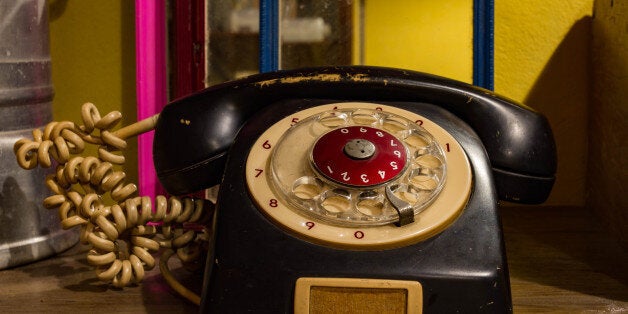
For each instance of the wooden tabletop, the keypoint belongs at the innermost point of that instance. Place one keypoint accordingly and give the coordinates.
(561, 261)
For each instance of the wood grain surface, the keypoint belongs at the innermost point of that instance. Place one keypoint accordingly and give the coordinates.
(561, 261)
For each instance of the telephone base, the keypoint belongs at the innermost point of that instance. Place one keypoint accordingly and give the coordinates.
(257, 263)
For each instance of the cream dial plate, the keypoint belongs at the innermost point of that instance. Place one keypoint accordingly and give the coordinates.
(343, 174)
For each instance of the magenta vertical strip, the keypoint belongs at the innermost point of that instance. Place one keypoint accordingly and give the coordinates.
(150, 45)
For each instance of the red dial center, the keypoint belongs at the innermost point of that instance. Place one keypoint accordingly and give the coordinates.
(359, 156)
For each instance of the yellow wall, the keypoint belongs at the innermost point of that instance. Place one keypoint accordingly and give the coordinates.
(92, 47)
(424, 35)
(542, 59)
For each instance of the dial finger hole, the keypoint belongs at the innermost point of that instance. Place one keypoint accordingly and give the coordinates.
(406, 194)
(428, 161)
(365, 117)
(423, 182)
(417, 141)
(394, 125)
(336, 201)
(370, 203)
(307, 188)
(333, 119)
(371, 207)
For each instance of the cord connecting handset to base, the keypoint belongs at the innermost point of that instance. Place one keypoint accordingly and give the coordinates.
(122, 235)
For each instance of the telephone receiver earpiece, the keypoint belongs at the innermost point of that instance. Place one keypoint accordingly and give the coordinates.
(194, 133)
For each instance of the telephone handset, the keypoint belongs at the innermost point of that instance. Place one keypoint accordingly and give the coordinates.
(193, 134)
(355, 184)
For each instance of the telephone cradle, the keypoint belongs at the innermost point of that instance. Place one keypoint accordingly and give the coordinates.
(367, 188)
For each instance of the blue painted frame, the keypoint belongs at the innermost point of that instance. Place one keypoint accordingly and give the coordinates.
(483, 40)
(483, 43)
(269, 35)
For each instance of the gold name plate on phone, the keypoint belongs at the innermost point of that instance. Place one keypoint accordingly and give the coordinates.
(325, 295)
(359, 176)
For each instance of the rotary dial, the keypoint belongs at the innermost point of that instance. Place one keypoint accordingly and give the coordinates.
(360, 176)
(358, 167)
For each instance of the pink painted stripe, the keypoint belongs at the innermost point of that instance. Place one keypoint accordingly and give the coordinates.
(150, 45)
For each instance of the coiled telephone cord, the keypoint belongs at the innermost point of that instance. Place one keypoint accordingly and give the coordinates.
(122, 235)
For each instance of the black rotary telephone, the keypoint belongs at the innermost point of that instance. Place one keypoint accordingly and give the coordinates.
(361, 187)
